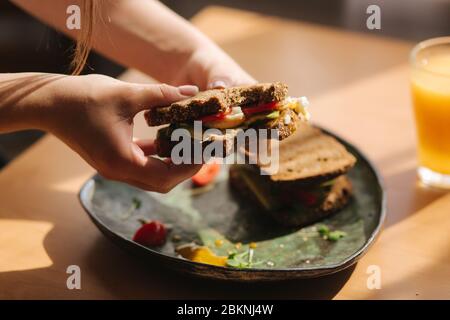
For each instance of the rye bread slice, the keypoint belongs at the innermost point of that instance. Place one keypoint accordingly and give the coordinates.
(214, 101)
(336, 199)
(310, 156)
(202, 104)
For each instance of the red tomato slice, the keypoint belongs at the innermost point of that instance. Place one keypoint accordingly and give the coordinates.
(260, 108)
(215, 117)
(206, 175)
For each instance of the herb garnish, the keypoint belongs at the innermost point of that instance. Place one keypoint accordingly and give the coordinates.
(327, 234)
(336, 235)
(242, 260)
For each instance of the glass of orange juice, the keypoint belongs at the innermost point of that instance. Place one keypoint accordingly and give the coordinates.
(430, 87)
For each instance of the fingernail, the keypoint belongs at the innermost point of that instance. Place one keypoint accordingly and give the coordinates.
(217, 85)
(188, 90)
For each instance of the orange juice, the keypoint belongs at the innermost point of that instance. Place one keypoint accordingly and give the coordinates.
(430, 85)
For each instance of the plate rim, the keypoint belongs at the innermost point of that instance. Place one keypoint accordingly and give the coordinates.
(316, 270)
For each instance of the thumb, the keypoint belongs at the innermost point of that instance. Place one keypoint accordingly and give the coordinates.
(158, 95)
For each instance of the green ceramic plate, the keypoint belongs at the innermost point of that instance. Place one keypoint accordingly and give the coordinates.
(281, 253)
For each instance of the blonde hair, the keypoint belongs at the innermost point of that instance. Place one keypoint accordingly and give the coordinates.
(84, 40)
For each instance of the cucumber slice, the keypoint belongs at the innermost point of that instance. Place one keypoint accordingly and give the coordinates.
(273, 115)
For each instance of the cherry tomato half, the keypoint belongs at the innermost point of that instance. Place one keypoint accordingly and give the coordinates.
(151, 234)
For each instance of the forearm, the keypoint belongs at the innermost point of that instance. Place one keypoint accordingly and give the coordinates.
(27, 99)
(142, 34)
(146, 35)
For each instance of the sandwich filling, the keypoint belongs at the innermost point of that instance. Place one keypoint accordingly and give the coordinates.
(247, 116)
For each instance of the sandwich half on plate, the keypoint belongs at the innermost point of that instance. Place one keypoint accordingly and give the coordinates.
(311, 182)
(260, 106)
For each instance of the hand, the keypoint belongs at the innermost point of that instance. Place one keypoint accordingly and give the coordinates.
(94, 116)
(211, 68)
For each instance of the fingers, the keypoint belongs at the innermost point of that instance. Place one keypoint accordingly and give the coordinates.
(223, 76)
(159, 175)
(148, 173)
(157, 95)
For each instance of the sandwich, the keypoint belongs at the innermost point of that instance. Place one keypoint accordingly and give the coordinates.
(260, 106)
(310, 184)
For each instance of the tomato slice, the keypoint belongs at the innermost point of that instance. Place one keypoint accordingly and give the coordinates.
(215, 117)
(206, 175)
(260, 108)
(247, 111)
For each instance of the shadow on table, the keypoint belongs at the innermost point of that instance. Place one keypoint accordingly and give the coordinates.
(404, 186)
(411, 196)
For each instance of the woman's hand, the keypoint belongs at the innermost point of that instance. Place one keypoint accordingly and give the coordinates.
(94, 114)
(210, 67)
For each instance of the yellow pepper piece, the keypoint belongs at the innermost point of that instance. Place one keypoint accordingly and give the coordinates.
(203, 255)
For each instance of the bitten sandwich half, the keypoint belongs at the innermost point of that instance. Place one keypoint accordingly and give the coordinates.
(260, 106)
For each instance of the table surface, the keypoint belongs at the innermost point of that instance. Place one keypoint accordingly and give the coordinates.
(358, 87)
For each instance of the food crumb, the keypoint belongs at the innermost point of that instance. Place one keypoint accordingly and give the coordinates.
(176, 238)
(281, 245)
(238, 245)
(305, 238)
(307, 262)
(218, 243)
(253, 245)
(270, 263)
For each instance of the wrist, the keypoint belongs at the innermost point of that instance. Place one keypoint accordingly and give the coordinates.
(29, 101)
(58, 97)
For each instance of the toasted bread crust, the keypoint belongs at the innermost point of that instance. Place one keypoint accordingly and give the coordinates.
(311, 156)
(214, 101)
(261, 93)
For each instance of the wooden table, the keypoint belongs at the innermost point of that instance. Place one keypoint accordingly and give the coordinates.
(358, 86)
